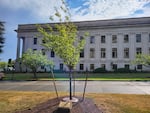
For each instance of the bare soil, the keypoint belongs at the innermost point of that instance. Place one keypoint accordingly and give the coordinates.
(51, 106)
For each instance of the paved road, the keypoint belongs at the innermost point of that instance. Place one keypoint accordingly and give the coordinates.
(92, 86)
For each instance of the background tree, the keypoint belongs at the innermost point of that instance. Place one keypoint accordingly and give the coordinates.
(62, 39)
(33, 60)
(3, 65)
(143, 59)
(2, 39)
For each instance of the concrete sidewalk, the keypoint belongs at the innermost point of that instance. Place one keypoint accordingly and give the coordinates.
(92, 86)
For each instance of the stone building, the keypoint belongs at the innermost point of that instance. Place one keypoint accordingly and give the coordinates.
(111, 44)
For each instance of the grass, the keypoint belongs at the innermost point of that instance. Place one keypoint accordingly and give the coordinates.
(79, 76)
(11, 101)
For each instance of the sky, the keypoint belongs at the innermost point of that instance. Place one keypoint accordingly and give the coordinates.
(14, 12)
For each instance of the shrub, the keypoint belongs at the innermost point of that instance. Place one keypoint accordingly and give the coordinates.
(100, 70)
(122, 70)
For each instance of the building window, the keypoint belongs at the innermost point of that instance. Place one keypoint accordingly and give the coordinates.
(127, 66)
(126, 38)
(81, 66)
(82, 54)
(103, 66)
(34, 49)
(103, 39)
(149, 38)
(61, 66)
(81, 37)
(138, 50)
(92, 52)
(114, 52)
(34, 41)
(43, 51)
(42, 67)
(43, 41)
(114, 38)
(92, 40)
(103, 53)
(91, 66)
(114, 66)
(52, 53)
(139, 66)
(126, 52)
(138, 38)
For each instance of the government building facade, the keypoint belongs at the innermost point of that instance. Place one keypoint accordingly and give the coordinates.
(111, 44)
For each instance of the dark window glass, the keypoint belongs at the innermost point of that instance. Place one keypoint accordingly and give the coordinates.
(35, 41)
(138, 38)
(52, 53)
(92, 39)
(149, 38)
(82, 54)
(114, 66)
(103, 66)
(138, 50)
(81, 66)
(114, 38)
(42, 67)
(103, 53)
(114, 52)
(91, 66)
(127, 66)
(126, 38)
(139, 66)
(61, 66)
(103, 39)
(34, 49)
(92, 52)
(126, 52)
(43, 51)
(81, 37)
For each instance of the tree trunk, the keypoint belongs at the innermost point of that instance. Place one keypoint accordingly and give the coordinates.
(34, 72)
(70, 81)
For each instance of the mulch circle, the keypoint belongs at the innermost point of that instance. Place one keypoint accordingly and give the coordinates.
(51, 106)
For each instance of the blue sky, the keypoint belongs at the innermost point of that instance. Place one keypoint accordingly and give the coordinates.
(15, 12)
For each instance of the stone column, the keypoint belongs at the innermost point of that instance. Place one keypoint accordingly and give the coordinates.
(18, 48)
(23, 45)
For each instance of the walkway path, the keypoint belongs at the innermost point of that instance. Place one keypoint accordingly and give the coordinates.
(92, 87)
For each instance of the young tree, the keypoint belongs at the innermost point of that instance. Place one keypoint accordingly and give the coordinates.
(33, 60)
(2, 39)
(62, 39)
(143, 59)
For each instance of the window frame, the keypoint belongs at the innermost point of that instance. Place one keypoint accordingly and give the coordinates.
(92, 39)
(114, 53)
(35, 41)
(114, 38)
(92, 52)
(103, 39)
(103, 52)
(126, 38)
(81, 67)
(126, 52)
(138, 38)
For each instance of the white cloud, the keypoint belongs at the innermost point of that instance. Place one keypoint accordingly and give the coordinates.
(89, 10)
(40, 8)
(107, 9)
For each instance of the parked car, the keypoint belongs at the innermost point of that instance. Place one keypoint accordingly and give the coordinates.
(1, 76)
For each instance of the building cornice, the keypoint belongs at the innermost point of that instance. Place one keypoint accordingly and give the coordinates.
(97, 24)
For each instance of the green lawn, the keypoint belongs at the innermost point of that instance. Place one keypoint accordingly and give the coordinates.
(79, 76)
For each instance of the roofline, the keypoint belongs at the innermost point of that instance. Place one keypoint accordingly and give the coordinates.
(96, 24)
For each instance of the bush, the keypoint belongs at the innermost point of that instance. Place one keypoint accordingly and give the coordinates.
(100, 70)
(122, 70)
